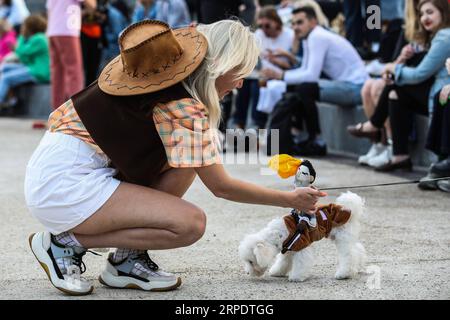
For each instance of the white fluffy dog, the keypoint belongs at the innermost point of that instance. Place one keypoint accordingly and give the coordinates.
(258, 250)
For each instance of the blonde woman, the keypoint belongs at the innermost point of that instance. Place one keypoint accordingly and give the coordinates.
(118, 157)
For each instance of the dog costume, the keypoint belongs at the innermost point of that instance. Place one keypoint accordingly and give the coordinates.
(302, 234)
(305, 228)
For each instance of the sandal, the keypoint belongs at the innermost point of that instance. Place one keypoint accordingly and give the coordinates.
(357, 131)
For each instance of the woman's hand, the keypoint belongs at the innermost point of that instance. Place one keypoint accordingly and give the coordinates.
(271, 74)
(389, 68)
(444, 95)
(388, 73)
(447, 65)
(305, 199)
(223, 186)
(280, 53)
(406, 53)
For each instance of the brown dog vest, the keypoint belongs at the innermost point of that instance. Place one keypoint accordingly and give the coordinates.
(302, 234)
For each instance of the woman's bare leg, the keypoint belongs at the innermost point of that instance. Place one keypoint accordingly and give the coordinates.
(138, 217)
(366, 94)
(371, 93)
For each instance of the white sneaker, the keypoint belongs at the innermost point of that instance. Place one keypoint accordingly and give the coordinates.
(382, 159)
(63, 265)
(375, 150)
(137, 271)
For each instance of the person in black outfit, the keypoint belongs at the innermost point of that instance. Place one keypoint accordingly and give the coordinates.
(438, 141)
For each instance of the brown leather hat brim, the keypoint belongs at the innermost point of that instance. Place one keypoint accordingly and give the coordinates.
(115, 81)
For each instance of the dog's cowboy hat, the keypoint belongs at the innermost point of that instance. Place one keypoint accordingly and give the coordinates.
(152, 57)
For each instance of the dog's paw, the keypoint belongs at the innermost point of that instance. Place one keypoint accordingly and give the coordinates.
(277, 273)
(298, 278)
(343, 274)
(278, 270)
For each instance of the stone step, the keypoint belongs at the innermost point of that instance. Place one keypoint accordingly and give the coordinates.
(34, 101)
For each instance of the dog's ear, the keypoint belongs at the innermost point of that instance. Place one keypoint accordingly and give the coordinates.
(264, 254)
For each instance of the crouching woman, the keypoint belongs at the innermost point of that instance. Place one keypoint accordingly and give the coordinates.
(119, 155)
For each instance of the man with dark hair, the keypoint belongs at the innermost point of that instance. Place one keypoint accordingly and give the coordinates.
(309, 12)
(325, 53)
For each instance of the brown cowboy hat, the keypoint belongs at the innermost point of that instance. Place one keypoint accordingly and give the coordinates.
(152, 57)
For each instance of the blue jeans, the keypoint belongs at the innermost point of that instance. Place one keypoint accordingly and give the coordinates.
(12, 75)
(340, 92)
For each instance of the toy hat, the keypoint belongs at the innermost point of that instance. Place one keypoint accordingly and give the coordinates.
(285, 165)
(152, 57)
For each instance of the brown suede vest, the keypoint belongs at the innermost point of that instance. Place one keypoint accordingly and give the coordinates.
(123, 127)
(327, 216)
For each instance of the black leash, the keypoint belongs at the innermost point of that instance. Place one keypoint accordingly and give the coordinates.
(384, 184)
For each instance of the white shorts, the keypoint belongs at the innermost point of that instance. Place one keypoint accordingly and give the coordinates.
(66, 182)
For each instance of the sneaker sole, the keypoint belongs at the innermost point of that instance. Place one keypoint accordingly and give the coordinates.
(428, 187)
(130, 283)
(44, 265)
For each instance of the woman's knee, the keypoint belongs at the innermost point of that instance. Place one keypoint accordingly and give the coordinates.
(367, 88)
(366, 93)
(193, 225)
(376, 89)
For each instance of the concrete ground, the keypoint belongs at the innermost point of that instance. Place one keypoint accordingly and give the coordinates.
(406, 233)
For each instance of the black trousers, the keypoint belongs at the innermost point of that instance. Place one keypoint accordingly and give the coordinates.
(247, 96)
(297, 103)
(92, 53)
(381, 112)
(438, 139)
(411, 100)
(308, 93)
(226, 106)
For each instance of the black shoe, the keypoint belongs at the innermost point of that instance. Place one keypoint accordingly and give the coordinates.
(302, 143)
(311, 148)
(425, 184)
(441, 168)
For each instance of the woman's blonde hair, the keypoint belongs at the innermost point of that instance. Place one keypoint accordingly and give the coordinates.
(231, 46)
(412, 21)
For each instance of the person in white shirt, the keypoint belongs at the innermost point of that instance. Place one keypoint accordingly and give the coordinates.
(14, 11)
(325, 53)
(272, 37)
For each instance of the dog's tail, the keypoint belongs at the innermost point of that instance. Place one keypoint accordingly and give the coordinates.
(353, 202)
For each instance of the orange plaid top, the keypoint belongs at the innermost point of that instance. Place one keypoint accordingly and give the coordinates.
(182, 125)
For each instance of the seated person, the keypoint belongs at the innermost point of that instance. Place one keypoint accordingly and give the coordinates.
(32, 51)
(272, 37)
(415, 87)
(324, 52)
(375, 94)
(438, 140)
(7, 39)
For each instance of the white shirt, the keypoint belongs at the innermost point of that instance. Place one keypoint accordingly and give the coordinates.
(16, 14)
(64, 18)
(283, 41)
(327, 52)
